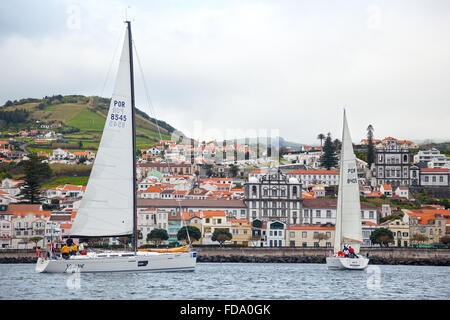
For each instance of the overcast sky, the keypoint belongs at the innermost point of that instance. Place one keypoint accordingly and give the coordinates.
(286, 66)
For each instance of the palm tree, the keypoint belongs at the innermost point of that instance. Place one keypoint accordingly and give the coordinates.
(321, 137)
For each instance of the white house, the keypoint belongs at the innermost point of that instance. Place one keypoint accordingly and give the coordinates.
(402, 192)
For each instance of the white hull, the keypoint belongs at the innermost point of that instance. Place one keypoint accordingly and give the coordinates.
(341, 263)
(121, 262)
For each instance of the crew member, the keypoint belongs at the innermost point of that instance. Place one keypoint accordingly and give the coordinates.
(65, 252)
(352, 253)
(73, 249)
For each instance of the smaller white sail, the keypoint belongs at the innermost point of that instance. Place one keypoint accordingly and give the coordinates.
(348, 214)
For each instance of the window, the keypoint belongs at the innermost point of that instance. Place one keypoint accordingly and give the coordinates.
(317, 213)
(371, 214)
(304, 234)
(328, 213)
(292, 234)
(274, 193)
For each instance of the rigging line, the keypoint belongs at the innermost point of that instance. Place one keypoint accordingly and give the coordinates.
(110, 65)
(152, 111)
(149, 101)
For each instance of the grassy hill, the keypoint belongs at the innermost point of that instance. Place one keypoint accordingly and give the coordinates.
(82, 119)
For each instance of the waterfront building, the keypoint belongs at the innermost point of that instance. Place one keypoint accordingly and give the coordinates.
(149, 219)
(310, 236)
(367, 228)
(431, 223)
(212, 220)
(28, 224)
(273, 196)
(323, 211)
(233, 208)
(400, 231)
(6, 231)
(241, 229)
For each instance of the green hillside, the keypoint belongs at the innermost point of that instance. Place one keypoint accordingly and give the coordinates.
(82, 120)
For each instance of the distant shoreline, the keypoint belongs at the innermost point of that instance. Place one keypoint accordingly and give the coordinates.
(378, 256)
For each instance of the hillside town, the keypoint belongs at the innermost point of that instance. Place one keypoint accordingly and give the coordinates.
(261, 202)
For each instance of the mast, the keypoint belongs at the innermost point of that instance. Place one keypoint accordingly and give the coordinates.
(130, 46)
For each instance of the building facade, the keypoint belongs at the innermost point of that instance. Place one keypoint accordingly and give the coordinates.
(392, 163)
(273, 196)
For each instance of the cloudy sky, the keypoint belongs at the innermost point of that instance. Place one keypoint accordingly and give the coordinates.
(215, 67)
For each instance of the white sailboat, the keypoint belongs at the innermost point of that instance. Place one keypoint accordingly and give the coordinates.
(348, 229)
(108, 207)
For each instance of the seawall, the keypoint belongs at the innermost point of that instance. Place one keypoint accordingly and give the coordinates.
(390, 256)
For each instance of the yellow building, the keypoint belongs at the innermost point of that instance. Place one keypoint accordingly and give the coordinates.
(212, 220)
(241, 229)
(400, 231)
(310, 236)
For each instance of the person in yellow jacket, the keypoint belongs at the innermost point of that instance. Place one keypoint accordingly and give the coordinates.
(73, 249)
(65, 251)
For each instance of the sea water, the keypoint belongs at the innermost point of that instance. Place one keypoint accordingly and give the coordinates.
(235, 281)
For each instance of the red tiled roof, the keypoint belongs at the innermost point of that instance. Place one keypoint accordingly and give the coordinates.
(313, 172)
(433, 170)
(310, 228)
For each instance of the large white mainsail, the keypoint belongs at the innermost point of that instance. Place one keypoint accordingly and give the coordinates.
(348, 214)
(107, 205)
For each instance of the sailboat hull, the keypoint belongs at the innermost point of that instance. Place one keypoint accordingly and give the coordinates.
(340, 263)
(143, 261)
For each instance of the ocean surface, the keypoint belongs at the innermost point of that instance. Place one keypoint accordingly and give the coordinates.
(232, 281)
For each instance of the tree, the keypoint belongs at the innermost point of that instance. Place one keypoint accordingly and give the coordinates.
(194, 234)
(321, 137)
(328, 159)
(221, 235)
(234, 170)
(158, 236)
(35, 172)
(320, 236)
(445, 240)
(35, 240)
(337, 143)
(370, 146)
(417, 237)
(382, 236)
